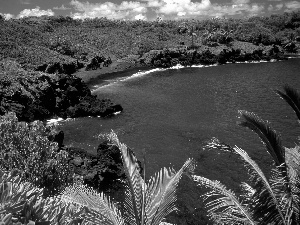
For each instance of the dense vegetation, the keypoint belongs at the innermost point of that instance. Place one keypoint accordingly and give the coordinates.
(37, 43)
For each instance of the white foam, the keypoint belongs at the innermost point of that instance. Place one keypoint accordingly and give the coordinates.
(139, 74)
(201, 66)
(178, 66)
(54, 121)
(117, 113)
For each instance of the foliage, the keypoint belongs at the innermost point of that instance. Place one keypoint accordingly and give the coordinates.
(145, 203)
(273, 201)
(25, 148)
(23, 203)
(34, 41)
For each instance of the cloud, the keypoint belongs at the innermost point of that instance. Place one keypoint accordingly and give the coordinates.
(291, 6)
(35, 12)
(171, 9)
(126, 10)
(167, 9)
(62, 7)
(140, 17)
(7, 16)
(237, 2)
(25, 2)
(277, 7)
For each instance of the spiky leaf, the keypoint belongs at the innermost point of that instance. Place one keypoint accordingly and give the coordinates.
(292, 97)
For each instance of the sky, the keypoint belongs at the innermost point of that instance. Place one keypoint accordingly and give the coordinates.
(146, 9)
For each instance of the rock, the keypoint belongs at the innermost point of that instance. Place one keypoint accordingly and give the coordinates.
(109, 111)
(40, 96)
(102, 171)
(69, 67)
(58, 138)
(97, 61)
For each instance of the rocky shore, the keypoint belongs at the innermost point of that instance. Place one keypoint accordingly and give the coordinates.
(36, 95)
(102, 170)
(168, 57)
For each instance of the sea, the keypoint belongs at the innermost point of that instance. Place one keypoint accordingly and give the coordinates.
(170, 115)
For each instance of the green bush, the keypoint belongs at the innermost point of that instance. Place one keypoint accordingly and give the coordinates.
(25, 148)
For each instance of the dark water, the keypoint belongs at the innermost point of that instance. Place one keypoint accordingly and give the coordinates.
(170, 114)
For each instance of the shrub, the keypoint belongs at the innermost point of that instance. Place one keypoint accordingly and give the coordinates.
(25, 148)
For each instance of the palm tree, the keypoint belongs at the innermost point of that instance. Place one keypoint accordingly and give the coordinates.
(190, 29)
(145, 203)
(266, 201)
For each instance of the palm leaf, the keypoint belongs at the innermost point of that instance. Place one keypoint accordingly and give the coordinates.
(134, 198)
(293, 165)
(266, 206)
(149, 203)
(225, 207)
(161, 189)
(269, 136)
(98, 207)
(292, 97)
(273, 145)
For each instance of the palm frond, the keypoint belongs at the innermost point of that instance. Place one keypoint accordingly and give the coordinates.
(266, 206)
(98, 205)
(225, 207)
(161, 189)
(148, 204)
(269, 136)
(293, 200)
(292, 97)
(135, 195)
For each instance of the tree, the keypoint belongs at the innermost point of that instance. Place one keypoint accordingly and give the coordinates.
(145, 203)
(273, 201)
(186, 27)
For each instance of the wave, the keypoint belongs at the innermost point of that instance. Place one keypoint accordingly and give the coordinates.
(178, 66)
(55, 121)
(137, 75)
(59, 120)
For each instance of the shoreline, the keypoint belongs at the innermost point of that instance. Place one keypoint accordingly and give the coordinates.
(112, 71)
(99, 78)
(169, 58)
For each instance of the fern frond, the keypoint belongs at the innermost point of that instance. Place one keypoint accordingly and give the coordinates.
(161, 189)
(292, 97)
(223, 205)
(269, 136)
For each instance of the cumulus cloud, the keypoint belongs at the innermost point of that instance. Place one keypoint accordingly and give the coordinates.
(62, 7)
(35, 12)
(204, 8)
(7, 16)
(167, 9)
(125, 10)
(277, 7)
(291, 6)
(140, 17)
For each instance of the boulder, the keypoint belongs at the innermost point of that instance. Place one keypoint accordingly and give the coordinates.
(58, 138)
